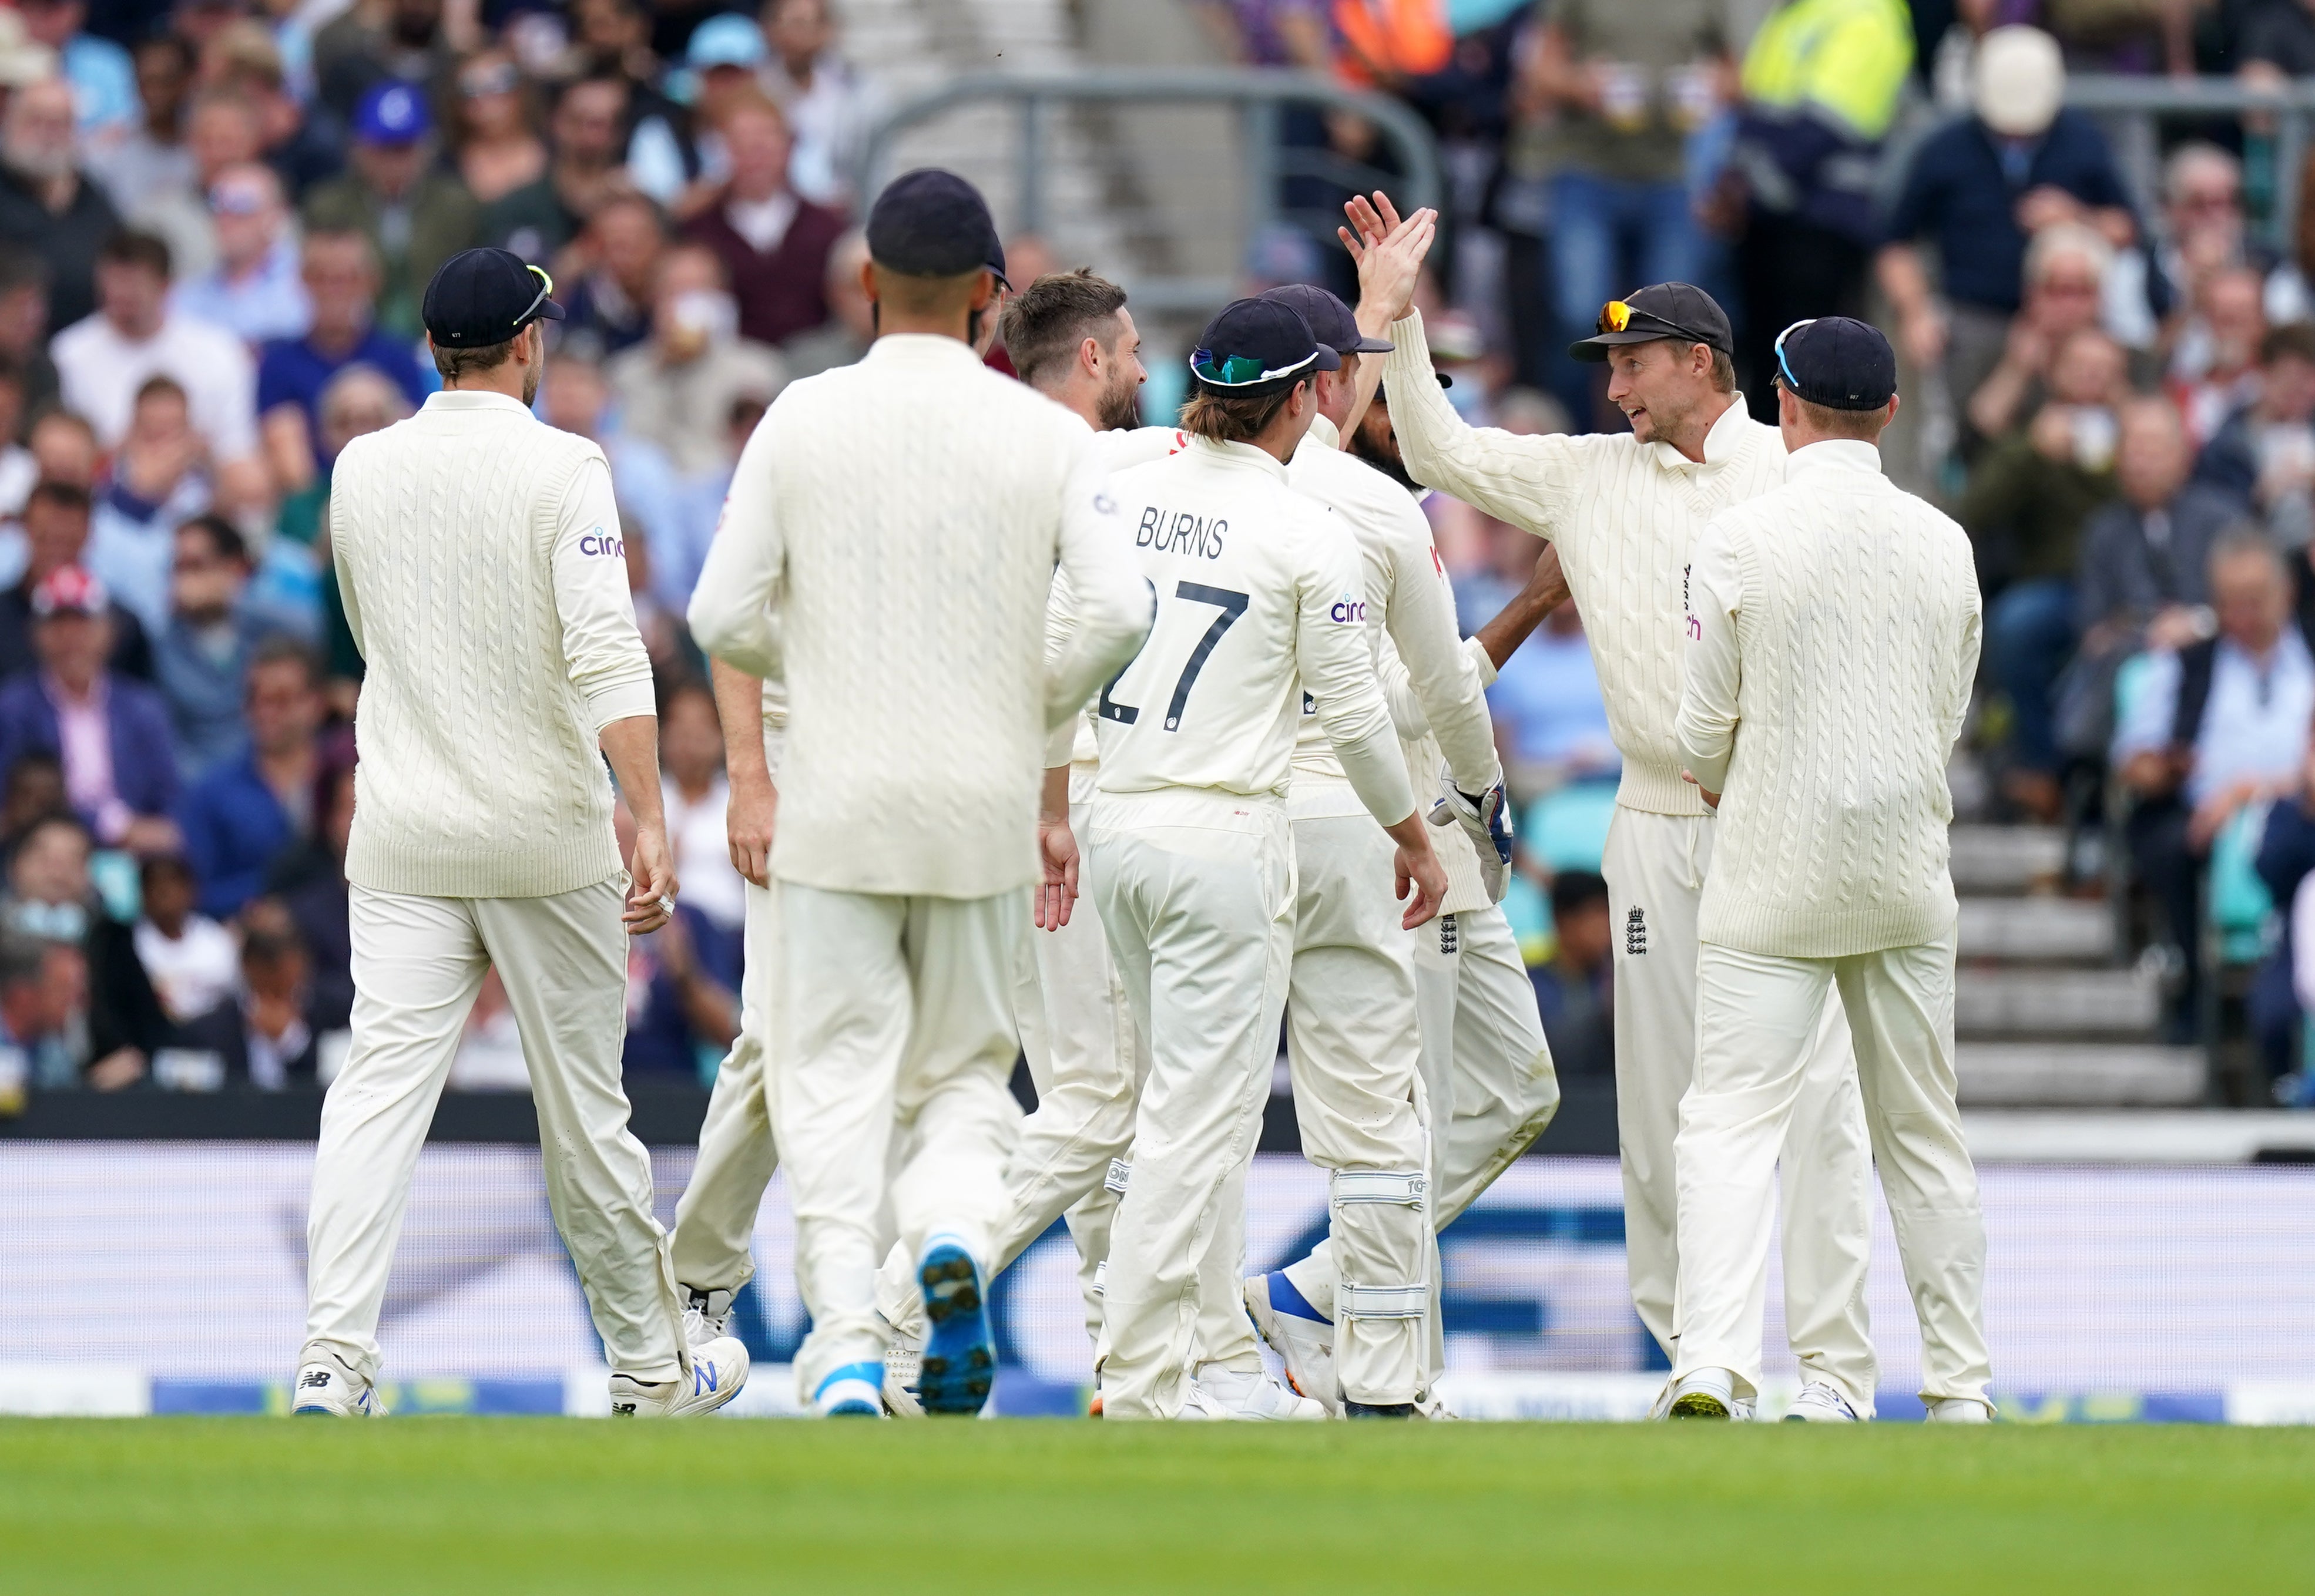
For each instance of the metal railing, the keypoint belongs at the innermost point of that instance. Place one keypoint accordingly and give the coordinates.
(2277, 122)
(1263, 98)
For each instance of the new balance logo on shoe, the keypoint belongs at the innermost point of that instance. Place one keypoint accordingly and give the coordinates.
(1635, 933)
(315, 1379)
(622, 1410)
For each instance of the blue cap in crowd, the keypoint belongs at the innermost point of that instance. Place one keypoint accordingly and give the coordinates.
(1259, 346)
(393, 114)
(930, 222)
(1838, 362)
(726, 40)
(482, 297)
(1330, 319)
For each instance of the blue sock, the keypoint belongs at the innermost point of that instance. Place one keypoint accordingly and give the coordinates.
(1285, 1298)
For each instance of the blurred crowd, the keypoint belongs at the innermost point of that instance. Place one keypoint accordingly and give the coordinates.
(217, 221)
(217, 217)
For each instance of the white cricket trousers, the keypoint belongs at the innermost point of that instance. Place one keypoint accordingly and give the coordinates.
(715, 1221)
(417, 964)
(1756, 1018)
(1654, 865)
(1354, 1046)
(1196, 892)
(1484, 1053)
(1077, 1036)
(889, 1091)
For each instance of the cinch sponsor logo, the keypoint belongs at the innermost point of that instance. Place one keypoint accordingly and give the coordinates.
(599, 542)
(1347, 608)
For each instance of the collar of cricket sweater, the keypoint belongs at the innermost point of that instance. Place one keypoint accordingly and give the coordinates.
(470, 399)
(1324, 433)
(1720, 445)
(1833, 454)
(1241, 454)
(921, 349)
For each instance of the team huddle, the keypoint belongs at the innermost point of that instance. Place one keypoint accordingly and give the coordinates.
(1119, 748)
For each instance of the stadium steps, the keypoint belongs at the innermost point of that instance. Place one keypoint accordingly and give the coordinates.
(2046, 1014)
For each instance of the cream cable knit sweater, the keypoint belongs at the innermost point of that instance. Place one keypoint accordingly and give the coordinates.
(1624, 515)
(1835, 628)
(478, 551)
(903, 517)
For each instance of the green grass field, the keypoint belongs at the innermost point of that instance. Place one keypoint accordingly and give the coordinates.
(514, 1505)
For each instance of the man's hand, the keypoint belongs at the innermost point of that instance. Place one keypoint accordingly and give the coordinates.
(2048, 206)
(1711, 799)
(1923, 334)
(1416, 869)
(749, 822)
(1057, 852)
(2211, 815)
(651, 899)
(121, 1068)
(1389, 251)
(1487, 820)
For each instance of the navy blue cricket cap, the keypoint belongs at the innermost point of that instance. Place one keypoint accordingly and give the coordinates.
(1680, 311)
(1330, 319)
(1837, 362)
(1259, 346)
(482, 297)
(930, 222)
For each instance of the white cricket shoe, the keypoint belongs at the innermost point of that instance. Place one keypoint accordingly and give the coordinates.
(719, 1368)
(1820, 1402)
(1707, 1394)
(1252, 1394)
(904, 1357)
(707, 1315)
(327, 1389)
(1960, 1410)
(1289, 1327)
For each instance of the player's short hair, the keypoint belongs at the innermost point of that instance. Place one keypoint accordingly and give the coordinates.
(456, 363)
(1723, 372)
(1227, 418)
(1046, 321)
(1863, 425)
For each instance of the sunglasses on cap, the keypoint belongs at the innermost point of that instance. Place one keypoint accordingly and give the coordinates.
(1240, 371)
(546, 287)
(1614, 316)
(1784, 366)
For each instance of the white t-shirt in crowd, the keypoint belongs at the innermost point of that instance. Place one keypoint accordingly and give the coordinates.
(702, 853)
(192, 972)
(100, 371)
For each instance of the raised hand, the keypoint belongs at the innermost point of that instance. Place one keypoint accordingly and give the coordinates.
(1389, 251)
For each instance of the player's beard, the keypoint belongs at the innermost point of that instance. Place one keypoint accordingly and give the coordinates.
(1120, 410)
(530, 376)
(1374, 443)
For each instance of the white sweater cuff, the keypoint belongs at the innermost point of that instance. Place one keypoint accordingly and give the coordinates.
(622, 702)
(1482, 662)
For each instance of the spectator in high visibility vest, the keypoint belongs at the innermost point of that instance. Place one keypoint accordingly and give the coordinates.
(1820, 87)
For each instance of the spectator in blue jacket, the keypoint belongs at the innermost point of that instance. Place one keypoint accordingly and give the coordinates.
(201, 656)
(110, 734)
(245, 815)
(1980, 187)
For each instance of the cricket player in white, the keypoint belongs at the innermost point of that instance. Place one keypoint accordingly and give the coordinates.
(1624, 511)
(904, 516)
(1192, 865)
(1354, 1036)
(1487, 1069)
(1833, 639)
(1070, 337)
(480, 558)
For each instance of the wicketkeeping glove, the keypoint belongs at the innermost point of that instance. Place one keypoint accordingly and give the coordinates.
(1488, 819)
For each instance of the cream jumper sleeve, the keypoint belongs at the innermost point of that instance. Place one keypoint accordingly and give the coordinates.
(1707, 725)
(1335, 661)
(601, 648)
(740, 582)
(1108, 605)
(1531, 481)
